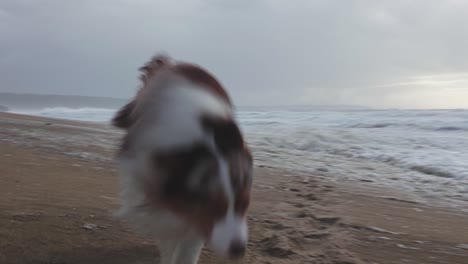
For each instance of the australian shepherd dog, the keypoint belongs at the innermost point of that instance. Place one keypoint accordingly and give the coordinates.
(185, 170)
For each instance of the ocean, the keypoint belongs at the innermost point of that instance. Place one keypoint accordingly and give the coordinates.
(421, 152)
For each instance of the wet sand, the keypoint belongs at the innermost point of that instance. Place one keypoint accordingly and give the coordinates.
(58, 193)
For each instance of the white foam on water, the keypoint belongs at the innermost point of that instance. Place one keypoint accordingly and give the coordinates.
(424, 152)
(91, 114)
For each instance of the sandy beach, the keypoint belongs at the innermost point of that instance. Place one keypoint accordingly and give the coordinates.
(58, 193)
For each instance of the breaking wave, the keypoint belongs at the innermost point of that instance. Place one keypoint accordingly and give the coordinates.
(91, 114)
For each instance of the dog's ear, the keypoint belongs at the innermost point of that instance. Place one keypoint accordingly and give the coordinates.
(226, 133)
(200, 76)
(144, 68)
(124, 117)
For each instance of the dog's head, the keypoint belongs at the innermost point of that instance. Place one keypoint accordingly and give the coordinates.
(208, 185)
(204, 175)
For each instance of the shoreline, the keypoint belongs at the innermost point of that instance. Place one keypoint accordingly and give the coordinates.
(321, 171)
(59, 191)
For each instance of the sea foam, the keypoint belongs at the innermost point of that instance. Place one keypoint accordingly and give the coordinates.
(422, 151)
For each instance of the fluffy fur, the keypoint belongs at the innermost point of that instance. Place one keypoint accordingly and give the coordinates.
(185, 169)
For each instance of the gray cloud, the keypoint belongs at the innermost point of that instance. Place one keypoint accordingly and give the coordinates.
(265, 52)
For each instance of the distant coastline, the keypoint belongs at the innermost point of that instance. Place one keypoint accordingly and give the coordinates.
(27, 101)
(38, 101)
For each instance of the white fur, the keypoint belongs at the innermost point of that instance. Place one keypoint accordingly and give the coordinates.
(176, 115)
(181, 250)
(162, 224)
(232, 228)
(172, 119)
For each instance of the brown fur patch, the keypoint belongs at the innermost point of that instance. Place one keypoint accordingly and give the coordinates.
(203, 204)
(229, 140)
(200, 76)
(153, 66)
(123, 118)
(241, 164)
(203, 215)
(227, 136)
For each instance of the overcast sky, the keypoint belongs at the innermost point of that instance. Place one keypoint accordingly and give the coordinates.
(411, 54)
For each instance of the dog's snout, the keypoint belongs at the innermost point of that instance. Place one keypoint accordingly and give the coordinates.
(237, 249)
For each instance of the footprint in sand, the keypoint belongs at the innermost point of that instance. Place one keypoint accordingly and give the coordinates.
(327, 219)
(310, 197)
(299, 205)
(277, 246)
(26, 217)
(317, 235)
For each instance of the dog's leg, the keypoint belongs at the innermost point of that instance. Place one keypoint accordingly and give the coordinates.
(168, 251)
(188, 251)
(184, 251)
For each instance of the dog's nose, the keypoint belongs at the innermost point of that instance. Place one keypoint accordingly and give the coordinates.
(237, 249)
